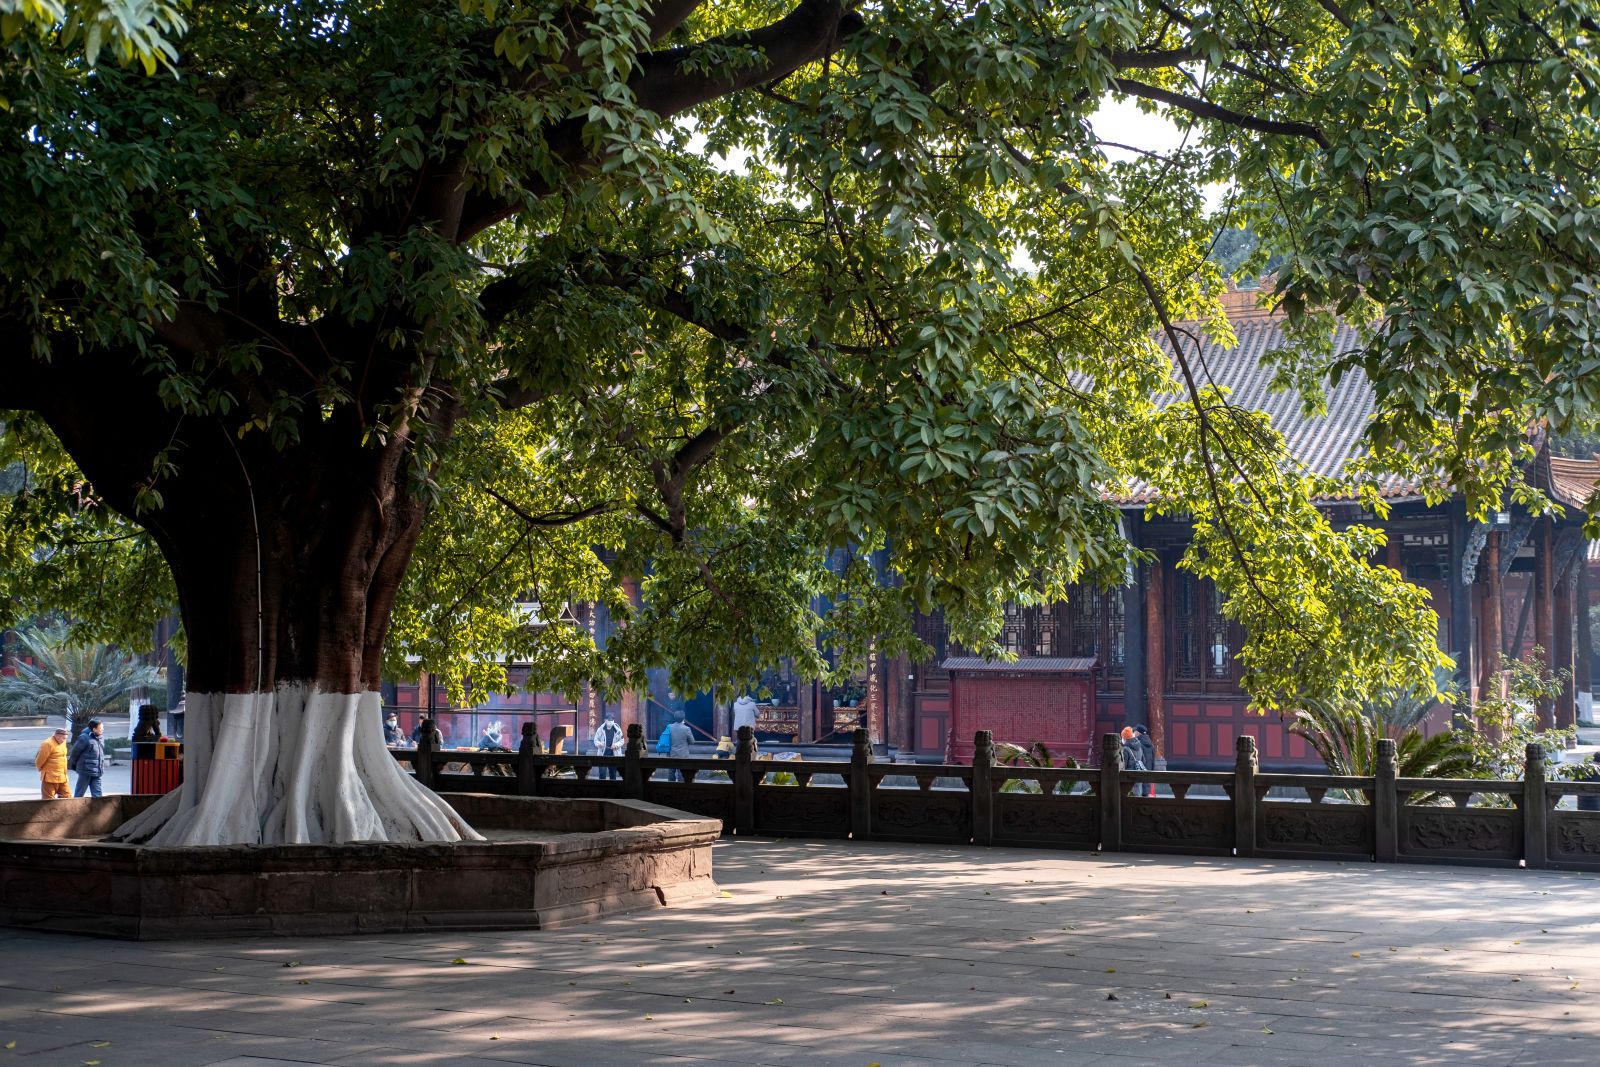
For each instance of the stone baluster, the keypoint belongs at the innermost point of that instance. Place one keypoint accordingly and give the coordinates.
(632, 771)
(1110, 793)
(529, 772)
(1244, 796)
(982, 788)
(1535, 809)
(860, 787)
(427, 744)
(744, 783)
(1386, 804)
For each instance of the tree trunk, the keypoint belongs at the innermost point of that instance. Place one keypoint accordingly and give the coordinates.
(287, 561)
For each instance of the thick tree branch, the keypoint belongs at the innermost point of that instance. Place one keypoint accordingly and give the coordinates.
(672, 81)
(1205, 109)
(1157, 60)
(549, 519)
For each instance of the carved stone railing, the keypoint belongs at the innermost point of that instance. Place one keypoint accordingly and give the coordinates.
(1108, 808)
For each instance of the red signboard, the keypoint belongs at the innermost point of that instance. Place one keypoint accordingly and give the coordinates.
(1024, 706)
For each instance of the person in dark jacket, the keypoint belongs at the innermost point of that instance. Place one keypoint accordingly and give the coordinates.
(1132, 754)
(1147, 753)
(393, 736)
(88, 758)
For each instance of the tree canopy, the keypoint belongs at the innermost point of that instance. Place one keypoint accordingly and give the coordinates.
(717, 294)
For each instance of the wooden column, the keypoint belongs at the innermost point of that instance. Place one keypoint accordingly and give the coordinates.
(897, 704)
(1134, 668)
(1583, 660)
(631, 704)
(1566, 710)
(807, 700)
(1493, 626)
(1461, 639)
(1544, 607)
(1155, 657)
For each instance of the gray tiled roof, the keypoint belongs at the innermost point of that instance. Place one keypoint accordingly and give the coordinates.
(1030, 665)
(1321, 444)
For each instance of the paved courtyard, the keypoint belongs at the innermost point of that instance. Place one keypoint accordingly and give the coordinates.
(847, 954)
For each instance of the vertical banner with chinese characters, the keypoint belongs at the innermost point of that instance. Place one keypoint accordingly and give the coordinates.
(875, 723)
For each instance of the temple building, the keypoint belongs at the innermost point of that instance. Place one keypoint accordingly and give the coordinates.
(1159, 651)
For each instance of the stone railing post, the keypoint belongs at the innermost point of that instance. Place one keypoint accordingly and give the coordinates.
(982, 788)
(860, 787)
(632, 770)
(426, 746)
(529, 772)
(744, 783)
(1110, 793)
(1386, 804)
(1244, 796)
(1535, 810)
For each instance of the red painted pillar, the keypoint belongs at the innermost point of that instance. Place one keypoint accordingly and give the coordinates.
(1155, 657)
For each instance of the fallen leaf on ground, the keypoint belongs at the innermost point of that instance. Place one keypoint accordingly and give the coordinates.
(726, 894)
(100, 1044)
(459, 962)
(773, 1001)
(1196, 1026)
(1265, 1030)
(291, 963)
(1355, 954)
(1199, 1004)
(730, 991)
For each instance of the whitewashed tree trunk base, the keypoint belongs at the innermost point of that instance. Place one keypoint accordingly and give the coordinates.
(295, 766)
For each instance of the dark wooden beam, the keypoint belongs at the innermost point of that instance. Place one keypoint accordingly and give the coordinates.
(1493, 616)
(1155, 656)
(1544, 607)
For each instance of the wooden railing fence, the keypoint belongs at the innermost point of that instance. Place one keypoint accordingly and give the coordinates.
(1241, 812)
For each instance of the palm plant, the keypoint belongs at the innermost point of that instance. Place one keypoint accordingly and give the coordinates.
(1035, 755)
(1347, 739)
(76, 681)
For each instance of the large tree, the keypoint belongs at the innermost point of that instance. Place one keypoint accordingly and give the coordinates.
(723, 296)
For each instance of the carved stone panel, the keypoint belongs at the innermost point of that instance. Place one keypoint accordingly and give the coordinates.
(1473, 834)
(1314, 830)
(468, 783)
(912, 815)
(817, 811)
(712, 801)
(575, 787)
(1029, 819)
(1160, 825)
(1575, 838)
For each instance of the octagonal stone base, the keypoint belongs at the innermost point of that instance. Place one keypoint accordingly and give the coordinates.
(547, 862)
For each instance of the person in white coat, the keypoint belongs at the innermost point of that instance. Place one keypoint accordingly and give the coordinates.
(744, 714)
(609, 740)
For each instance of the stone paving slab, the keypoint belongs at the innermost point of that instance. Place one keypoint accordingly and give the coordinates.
(852, 954)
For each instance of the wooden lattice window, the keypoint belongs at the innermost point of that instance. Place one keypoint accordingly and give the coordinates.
(1116, 632)
(1083, 618)
(1202, 643)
